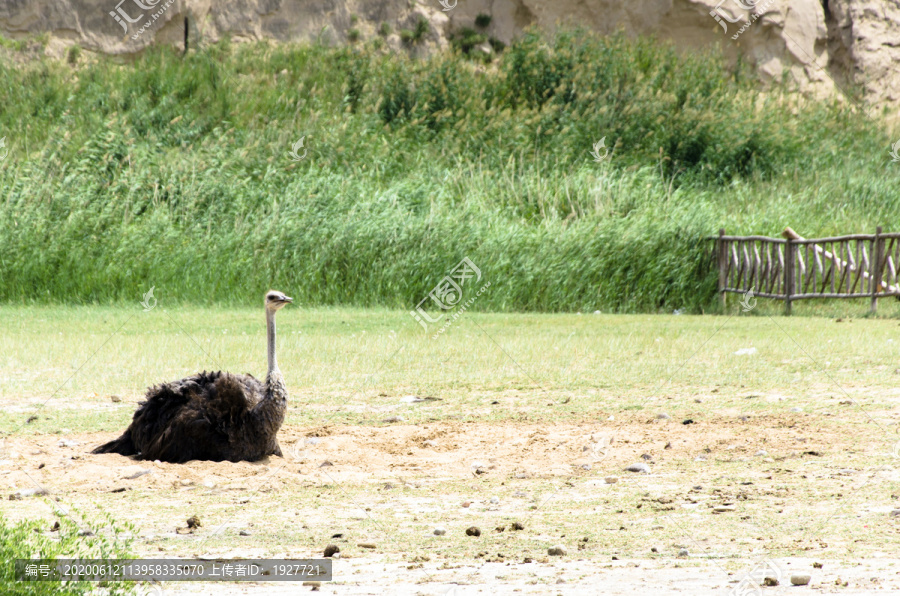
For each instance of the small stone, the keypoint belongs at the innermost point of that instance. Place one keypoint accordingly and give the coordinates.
(557, 551)
(314, 585)
(366, 545)
(817, 565)
(586, 467)
(610, 480)
(688, 421)
(770, 581)
(439, 531)
(683, 553)
(494, 500)
(663, 416)
(68, 443)
(115, 398)
(193, 522)
(325, 464)
(800, 579)
(500, 529)
(245, 533)
(466, 503)
(392, 419)
(724, 508)
(895, 513)
(796, 409)
(654, 549)
(761, 453)
(330, 550)
(186, 482)
(473, 531)
(646, 457)
(641, 467)
(518, 526)
(55, 527)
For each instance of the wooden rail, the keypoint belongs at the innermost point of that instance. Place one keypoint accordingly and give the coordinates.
(794, 268)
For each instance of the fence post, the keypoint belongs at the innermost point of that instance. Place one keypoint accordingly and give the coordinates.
(788, 274)
(723, 269)
(875, 274)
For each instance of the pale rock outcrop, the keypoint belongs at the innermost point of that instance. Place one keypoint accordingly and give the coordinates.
(818, 46)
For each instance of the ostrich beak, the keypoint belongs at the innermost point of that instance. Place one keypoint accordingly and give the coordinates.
(287, 299)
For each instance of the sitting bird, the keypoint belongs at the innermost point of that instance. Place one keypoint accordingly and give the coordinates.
(216, 416)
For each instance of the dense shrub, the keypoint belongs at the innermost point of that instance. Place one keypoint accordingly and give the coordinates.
(174, 172)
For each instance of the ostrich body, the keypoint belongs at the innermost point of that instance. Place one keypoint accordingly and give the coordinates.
(215, 416)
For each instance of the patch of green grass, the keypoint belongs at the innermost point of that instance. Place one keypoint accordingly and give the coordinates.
(174, 172)
(33, 539)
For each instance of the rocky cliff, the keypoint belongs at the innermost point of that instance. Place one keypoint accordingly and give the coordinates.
(819, 46)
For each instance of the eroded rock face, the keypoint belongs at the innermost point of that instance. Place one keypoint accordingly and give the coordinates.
(819, 46)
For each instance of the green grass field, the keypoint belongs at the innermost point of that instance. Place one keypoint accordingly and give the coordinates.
(176, 172)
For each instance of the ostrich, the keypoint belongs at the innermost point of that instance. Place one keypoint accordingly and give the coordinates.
(214, 416)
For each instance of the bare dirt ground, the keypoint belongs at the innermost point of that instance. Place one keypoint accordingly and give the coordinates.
(721, 495)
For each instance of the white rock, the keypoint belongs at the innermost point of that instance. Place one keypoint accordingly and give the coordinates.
(745, 352)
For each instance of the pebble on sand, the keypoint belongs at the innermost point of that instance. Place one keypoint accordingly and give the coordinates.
(440, 531)
(473, 531)
(518, 526)
(800, 579)
(557, 551)
(683, 553)
(610, 480)
(663, 416)
(331, 550)
(245, 533)
(641, 467)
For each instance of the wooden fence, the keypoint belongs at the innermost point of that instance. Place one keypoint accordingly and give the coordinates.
(795, 268)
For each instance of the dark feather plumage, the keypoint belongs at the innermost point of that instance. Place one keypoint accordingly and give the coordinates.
(216, 416)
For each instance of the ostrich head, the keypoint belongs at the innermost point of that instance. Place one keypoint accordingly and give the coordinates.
(276, 300)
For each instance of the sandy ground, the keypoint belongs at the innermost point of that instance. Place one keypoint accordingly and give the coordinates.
(391, 484)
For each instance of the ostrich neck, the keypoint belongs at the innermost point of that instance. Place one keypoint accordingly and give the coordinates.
(270, 333)
(269, 412)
